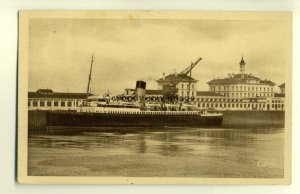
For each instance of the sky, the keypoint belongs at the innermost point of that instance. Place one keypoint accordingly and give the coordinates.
(126, 50)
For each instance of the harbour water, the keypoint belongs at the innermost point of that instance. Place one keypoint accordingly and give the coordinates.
(255, 152)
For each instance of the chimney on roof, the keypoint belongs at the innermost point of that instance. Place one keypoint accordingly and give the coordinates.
(164, 76)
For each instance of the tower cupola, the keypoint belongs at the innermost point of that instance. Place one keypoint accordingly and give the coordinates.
(242, 66)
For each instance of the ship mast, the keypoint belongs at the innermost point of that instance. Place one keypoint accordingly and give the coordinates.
(90, 78)
(189, 91)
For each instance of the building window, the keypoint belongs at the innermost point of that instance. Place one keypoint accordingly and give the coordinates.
(35, 103)
(55, 103)
(217, 105)
(192, 86)
(224, 105)
(48, 103)
(69, 103)
(232, 87)
(187, 93)
(42, 103)
(182, 93)
(182, 86)
(28, 102)
(241, 105)
(63, 104)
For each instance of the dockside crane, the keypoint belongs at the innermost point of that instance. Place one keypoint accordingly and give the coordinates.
(189, 68)
(171, 88)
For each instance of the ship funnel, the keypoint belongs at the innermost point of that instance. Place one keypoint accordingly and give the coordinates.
(140, 90)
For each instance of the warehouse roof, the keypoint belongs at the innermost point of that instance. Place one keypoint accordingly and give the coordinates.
(177, 78)
(47, 93)
(240, 79)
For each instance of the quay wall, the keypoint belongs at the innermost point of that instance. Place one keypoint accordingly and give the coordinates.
(37, 120)
(247, 119)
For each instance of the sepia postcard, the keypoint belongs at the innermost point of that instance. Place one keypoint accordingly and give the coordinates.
(154, 97)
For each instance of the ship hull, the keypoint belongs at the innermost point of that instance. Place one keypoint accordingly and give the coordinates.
(69, 119)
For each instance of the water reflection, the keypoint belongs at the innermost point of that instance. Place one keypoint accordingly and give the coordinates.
(169, 141)
(213, 149)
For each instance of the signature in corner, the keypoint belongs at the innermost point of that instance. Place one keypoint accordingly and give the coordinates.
(262, 164)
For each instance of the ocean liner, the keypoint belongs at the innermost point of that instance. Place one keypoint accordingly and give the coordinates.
(101, 113)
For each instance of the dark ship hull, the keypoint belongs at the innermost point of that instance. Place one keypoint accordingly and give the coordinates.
(129, 120)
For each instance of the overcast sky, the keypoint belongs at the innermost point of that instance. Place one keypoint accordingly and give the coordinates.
(60, 51)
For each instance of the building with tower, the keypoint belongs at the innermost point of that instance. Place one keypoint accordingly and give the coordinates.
(242, 85)
(242, 91)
